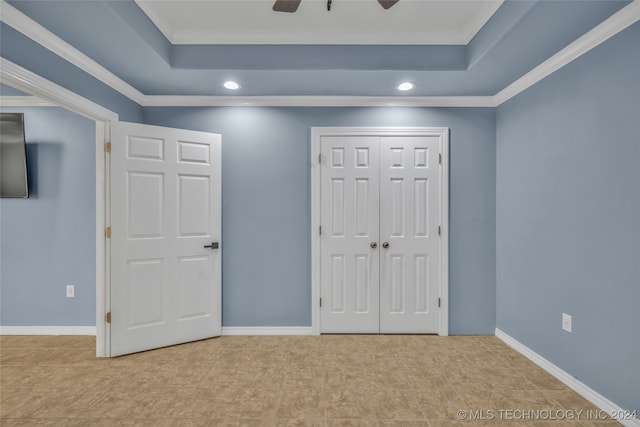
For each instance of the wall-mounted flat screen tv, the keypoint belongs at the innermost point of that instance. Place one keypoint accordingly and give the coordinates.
(13, 156)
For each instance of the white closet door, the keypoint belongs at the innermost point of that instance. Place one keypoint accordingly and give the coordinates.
(349, 218)
(409, 220)
(165, 210)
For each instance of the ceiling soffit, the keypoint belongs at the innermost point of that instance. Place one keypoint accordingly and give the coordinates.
(507, 47)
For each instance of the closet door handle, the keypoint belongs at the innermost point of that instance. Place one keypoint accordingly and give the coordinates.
(213, 245)
(373, 245)
(385, 245)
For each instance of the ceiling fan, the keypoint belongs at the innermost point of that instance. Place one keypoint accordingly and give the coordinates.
(292, 5)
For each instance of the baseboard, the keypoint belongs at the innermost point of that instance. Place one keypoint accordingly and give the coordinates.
(91, 330)
(260, 330)
(579, 387)
(47, 330)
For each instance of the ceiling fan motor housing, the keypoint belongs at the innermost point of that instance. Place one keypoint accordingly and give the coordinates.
(291, 6)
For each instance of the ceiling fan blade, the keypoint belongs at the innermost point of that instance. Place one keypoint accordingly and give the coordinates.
(387, 3)
(286, 5)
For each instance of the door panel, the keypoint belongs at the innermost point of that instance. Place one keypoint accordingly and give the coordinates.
(165, 206)
(146, 292)
(409, 218)
(194, 293)
(396, 284)
(194, 194)
(350, 205)
(145, 205)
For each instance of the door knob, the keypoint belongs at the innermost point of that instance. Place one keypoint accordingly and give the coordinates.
(385, 245)
(373, 245)
(213, 245)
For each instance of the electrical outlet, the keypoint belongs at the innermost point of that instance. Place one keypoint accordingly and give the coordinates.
(71, 291)
(566, 322)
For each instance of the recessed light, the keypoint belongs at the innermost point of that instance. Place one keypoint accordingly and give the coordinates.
(406, 86)
(231, 85)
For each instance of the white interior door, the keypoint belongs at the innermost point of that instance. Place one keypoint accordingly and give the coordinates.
(380, 247)
(165, 209)
(409, 222)
(350, 206)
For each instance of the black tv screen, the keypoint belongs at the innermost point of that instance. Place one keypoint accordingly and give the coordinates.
(13, 156)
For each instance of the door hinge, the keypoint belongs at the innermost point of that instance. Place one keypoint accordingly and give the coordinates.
(107, 147)
(320, 158)
(439, 231)
(320, 230)
(320, 302)
(440, 158)
(438, 302)
(108, 232)
(108, 317)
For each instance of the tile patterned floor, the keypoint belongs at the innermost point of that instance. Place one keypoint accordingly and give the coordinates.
(333, 380)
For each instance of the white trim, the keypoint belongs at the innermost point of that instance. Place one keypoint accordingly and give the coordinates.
(24, 101)
(36, 32)
(617, 22)
(315, 226)
(317, 101)
(22, 79)
(316, 134)
(260, 330)
(579, 387)
(444, 237)
(47, 330)
(103, 343)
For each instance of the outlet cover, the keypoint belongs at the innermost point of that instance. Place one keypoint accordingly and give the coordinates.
(71, 291)
(566, 322)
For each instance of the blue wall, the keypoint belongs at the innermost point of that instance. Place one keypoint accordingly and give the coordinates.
(556, 168)
(266, 205)
(48, 240)
(568, 218)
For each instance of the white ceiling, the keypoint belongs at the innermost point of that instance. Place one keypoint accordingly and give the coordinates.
(410, 22)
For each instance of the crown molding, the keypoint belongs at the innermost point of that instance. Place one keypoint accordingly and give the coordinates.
(608, 28)
(39, 34)
(317, 101)
(617, 22)
(24, 101)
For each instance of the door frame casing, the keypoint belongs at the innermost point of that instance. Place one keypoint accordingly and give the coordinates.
(316, 134)
(29, 82)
